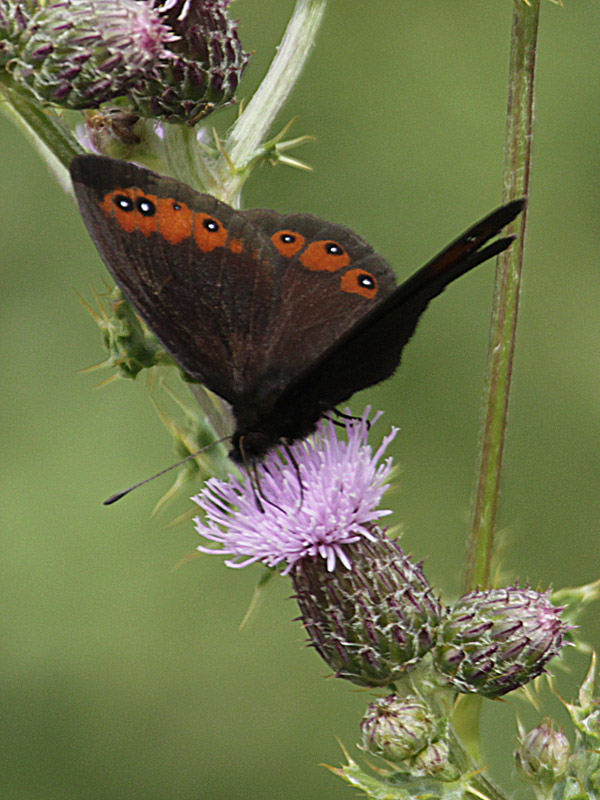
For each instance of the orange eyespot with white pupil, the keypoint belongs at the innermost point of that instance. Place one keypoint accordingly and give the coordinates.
(133, 210)
(288, 242)
(325, 255)
(208, 232)
(359, 281)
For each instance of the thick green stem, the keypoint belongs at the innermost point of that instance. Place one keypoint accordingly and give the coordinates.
(248, 132)
(517, 166)
(185, 160)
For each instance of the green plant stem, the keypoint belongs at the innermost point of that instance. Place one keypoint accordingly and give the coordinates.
(186, 161)
(247, 134)
(517, 166)
(465, 757)
(482, 785)
(43, 128)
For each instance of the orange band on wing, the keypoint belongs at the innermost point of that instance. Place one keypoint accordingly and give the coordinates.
(175, 220)
(135, 210)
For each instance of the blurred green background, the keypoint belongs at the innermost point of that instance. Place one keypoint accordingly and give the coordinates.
(123, 677)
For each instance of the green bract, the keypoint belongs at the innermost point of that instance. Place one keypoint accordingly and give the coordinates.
(130, 346)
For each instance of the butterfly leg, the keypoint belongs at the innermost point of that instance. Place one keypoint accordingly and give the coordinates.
(347, 417)
(253, 475)
(292, 459)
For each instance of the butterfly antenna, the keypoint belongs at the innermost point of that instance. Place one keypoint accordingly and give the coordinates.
(260, 490)
(250, 468)
(113, 498)
(257, 490)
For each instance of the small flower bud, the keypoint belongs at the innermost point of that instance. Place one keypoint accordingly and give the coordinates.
(397, 728)
(131, 347)
(372, 621)
(434, 762)
(493, 642)
(202, 68)
(14, 18)
(542, 756)
(81, 53)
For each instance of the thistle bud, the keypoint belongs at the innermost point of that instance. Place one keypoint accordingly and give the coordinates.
(434, 762)
(14, 18)
(202, 68)
(542, 756)
(371, 621)
(131, 347)
(397, 728)
(493, 642)
(81, 53)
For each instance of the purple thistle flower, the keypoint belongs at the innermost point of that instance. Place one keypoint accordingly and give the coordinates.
(174, 59)
(343, 482)
(80, 54)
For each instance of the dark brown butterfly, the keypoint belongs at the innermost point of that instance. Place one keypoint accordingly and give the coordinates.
(283, 315)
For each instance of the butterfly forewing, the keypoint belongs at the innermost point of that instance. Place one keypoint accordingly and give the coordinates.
(203, 302)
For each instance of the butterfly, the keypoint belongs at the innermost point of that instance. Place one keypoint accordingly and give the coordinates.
(284, 316)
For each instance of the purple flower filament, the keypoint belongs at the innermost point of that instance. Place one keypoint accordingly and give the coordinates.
(343, 482)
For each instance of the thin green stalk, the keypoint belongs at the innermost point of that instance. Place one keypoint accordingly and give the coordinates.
(43, 128)
(247, 134)
(479, 785)
(517, 166)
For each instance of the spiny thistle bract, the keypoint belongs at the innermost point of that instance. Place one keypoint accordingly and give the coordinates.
(130, 345)
(79, 54)
(373, 621)
(203, 67)
(14, 18)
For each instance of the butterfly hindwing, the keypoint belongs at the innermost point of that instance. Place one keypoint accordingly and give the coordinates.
(369, 351)
(320, 292)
